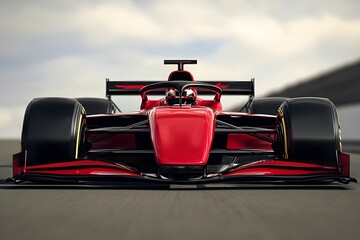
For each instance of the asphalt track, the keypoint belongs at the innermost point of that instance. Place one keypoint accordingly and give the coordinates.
(218, 211)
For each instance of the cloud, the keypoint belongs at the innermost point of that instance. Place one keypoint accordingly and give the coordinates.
(109, 23)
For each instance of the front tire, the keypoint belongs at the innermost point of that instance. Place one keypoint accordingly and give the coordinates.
(309, 131)
(53, 131)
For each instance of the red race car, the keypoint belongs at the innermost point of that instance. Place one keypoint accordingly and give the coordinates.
(181, 137)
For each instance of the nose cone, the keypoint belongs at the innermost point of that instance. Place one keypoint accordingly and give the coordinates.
(182, 136)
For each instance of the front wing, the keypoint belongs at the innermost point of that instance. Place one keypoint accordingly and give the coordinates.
(270, 170)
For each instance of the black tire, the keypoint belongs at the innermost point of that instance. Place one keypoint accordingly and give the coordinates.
(53, 130)
(97, 106)
(309, 131)
(268, 105)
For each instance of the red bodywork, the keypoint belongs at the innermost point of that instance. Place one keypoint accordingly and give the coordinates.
(174, 145)
(180, 137)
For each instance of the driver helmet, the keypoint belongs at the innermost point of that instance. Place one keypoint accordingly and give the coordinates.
(172, 96)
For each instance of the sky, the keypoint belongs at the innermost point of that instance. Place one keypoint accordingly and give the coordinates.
(68, 48)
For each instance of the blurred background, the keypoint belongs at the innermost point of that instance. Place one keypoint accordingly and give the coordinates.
(68, 48)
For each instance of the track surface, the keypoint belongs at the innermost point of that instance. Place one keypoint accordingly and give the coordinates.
(177, 212)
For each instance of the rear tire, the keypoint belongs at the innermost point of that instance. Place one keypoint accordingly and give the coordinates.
(309, 131)
(97, 106)
(268, 105)
(53, 131)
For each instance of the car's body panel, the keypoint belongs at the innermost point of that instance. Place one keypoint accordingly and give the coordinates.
(175, 145)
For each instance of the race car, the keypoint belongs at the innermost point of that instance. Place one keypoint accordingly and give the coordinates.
(181, 137)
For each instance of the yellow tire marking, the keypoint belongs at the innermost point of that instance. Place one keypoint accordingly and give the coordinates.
(286, 155)
(340, 141)
(78, 138)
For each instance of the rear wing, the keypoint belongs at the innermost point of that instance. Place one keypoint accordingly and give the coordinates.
(133, 88)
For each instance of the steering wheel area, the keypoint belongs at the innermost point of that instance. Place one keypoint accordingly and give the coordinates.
(181, 87)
